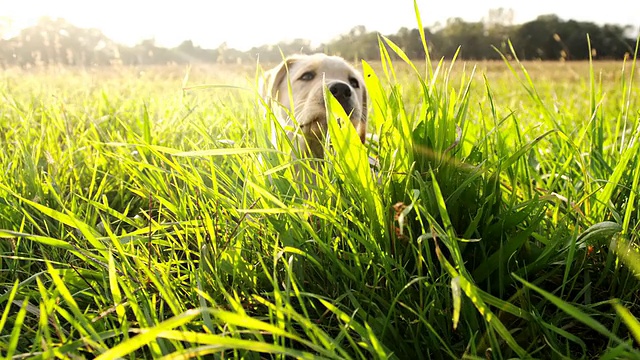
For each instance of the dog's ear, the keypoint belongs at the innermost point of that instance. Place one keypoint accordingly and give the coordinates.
(273, 79)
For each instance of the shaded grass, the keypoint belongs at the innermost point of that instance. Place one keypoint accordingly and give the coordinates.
(139, 220)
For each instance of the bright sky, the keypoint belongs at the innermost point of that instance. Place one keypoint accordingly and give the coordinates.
(246, 23)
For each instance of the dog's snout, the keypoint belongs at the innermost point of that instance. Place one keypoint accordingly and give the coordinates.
(340, 90)
(343, 93)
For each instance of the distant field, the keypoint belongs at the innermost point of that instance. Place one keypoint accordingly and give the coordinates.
(141, 220)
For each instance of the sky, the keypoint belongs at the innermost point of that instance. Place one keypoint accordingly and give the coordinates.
(246, 23)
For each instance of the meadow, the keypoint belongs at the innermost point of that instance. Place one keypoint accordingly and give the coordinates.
(145, 214)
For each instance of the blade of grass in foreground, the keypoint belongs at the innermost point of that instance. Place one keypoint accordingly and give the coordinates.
(353, 159)
(82, 325)
(372, 343)
(10, 295)
(165, 330)
(148, 336)
(629, 255)
(461, 279)
(423, 39)
(207, 152)
(67, 218)
(474, 295)
(575, 313)
(225, 342)
(15, 332)
(631, 321)
(631, 204)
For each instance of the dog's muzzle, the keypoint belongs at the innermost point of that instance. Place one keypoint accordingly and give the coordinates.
(344, 94)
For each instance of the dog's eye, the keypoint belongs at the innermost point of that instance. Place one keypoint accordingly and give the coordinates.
(354, 83)
(308, 76)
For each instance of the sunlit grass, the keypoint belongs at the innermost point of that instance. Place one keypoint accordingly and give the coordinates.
(138, 219)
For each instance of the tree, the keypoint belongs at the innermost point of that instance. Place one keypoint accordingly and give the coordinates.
(55, 41)
(550, 38)
(535, 39)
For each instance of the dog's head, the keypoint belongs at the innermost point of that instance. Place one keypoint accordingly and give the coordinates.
(306, 74)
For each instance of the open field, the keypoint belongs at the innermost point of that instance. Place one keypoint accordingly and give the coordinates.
(138, 220)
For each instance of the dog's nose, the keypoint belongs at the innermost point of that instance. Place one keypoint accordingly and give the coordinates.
(340, 90)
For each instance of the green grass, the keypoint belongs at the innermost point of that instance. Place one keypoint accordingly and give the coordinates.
(138, 220)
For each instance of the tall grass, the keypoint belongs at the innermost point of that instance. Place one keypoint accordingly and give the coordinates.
(139, 220)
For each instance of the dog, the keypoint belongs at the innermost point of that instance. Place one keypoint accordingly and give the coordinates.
(297, 84)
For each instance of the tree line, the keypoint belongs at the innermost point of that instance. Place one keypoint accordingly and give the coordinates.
(55, 41)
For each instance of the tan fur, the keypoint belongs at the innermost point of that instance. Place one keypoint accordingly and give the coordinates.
(305, 74)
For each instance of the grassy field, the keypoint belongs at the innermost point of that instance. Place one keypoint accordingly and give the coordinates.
(141, 220)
